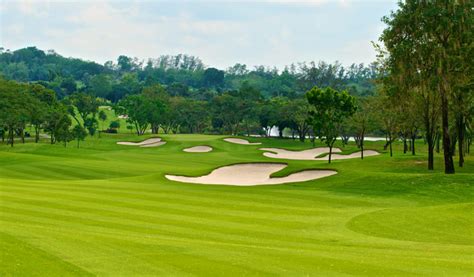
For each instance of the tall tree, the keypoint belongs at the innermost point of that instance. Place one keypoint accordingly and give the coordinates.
(430, 38)
(156, 100)
(79, 133)
(363, 121)
(330, 108)
(15, 107)
(298, 112)
(84, 105)
(136, 108)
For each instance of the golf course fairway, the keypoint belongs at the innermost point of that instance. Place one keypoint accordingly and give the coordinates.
(107, 209)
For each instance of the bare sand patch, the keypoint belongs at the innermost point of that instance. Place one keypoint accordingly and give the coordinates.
(151, 142)
(309, 154)
(154, 144)
(367, 153)
(198, 149)
(251, 174)
(241, 141)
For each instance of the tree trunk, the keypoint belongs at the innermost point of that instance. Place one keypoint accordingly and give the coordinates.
(302, 132)
(413, 137)
(330, 153)
(10, 134)
(137, 128)
(280, 133)
(405, 145)
(301, 136)
(430, 155)
(461, 128)
(154, 129)
(469, 141)
(448, 158)
(22, 135)
(390, 142)
(468, 145)
(362, 147)
(37, 133)
(431, 137)
(438, 138)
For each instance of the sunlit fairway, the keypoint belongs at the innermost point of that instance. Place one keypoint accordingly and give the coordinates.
(107, 209)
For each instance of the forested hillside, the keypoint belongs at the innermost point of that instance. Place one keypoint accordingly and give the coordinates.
(182, 75)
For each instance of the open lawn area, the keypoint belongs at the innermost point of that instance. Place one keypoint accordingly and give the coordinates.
(107, 209)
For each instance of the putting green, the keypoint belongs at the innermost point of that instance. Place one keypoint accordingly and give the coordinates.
(439, 224)
(107, 209)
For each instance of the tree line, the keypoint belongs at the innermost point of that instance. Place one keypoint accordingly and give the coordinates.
(426, 57)
(182, 75)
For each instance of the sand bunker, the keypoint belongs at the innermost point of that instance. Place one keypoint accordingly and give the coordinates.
(152, 142)
(251, 174)
(367, 153)
(309, 154)
(198, 149)
(241, 141)
(155, 144)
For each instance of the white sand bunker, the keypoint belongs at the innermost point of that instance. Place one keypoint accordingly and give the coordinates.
(198, 149)
(152, 142)
(311, 154)
(252, 174)
(241, 141)
(367, 153)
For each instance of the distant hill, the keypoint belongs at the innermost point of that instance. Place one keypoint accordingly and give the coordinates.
(183, 75)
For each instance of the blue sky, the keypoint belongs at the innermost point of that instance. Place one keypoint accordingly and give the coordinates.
(221, 33)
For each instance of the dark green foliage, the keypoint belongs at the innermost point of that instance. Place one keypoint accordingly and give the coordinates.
(183, 75)
(79, 133)
(137, 108)
(429, 54)
(83, 105)
(329, 109)
(213, 77)
(114, 124)
(91, 125)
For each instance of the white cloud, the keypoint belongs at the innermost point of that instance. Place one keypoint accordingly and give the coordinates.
(99, 30)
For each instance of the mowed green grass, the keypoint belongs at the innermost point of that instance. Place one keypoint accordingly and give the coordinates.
(107, 209)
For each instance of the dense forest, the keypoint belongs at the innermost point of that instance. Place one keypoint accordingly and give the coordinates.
(181, 75)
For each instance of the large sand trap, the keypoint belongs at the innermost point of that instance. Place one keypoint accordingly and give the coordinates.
(367, 153)
(198, 149)
(251, 174)
(152, 142)
(241, 141)
(309, 154)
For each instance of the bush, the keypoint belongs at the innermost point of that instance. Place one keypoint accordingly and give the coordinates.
(114, 125)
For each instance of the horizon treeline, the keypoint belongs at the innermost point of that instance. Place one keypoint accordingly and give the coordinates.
(182, 75)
